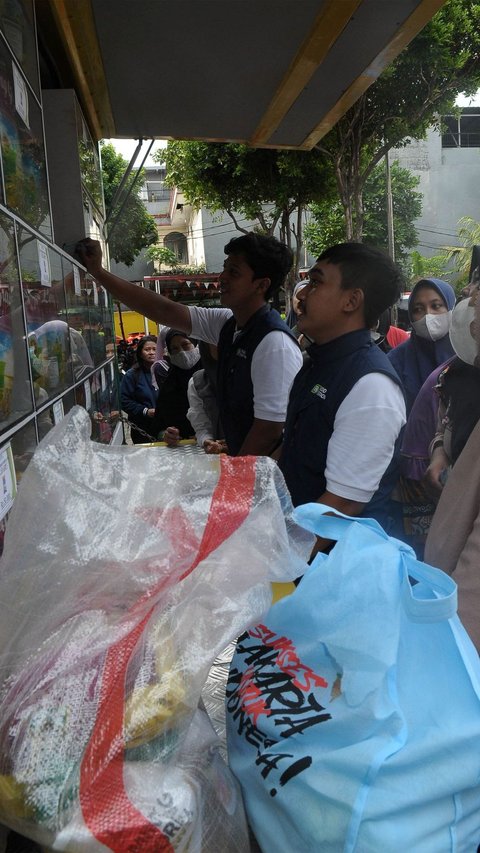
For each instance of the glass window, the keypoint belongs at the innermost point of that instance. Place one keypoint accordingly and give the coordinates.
(15, 389)
(450, 134)
(22, 147)
(51, 345)
(23, 444)
(17, 25)
(53, 414)
(461, 131)
(89, 314)
(89, 159)
(94, 394)
(470, 131)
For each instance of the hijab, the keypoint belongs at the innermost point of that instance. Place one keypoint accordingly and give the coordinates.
(160, 366)
(291, 318)
(415, 359)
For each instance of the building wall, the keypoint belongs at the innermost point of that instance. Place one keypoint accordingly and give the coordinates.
(141, 266)
(217, 230)
(195, 240)
(449, 182)
(207, 233)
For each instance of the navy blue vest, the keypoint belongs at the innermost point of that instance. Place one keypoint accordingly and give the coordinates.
(319, 388)
(234, 381)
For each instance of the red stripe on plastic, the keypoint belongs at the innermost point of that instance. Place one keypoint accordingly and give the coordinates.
(106, 808)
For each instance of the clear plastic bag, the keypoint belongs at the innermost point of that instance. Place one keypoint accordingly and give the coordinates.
(126, 570)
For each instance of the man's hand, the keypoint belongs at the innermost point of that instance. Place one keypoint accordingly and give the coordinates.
(211, 446)
(344, 505)
(433, 475)
(151, 414)
(157, 308)
(171, 436)
(262, 438)
(89, 252)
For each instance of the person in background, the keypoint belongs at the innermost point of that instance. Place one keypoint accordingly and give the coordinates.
(346, 407)
(416, 505)
(137, 394)
(458, 390)
(172, 401)
(106, 408)
(161, 365)
(203, 411)
(447, 404)
(93, 337)
(453, 542)
(291, 319)
(303, 340)
(258, 354)
(385, 335)
(430, 311)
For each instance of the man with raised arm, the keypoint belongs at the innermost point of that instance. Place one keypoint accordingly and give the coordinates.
(258, 354)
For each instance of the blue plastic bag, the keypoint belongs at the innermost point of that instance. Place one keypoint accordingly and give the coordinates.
(353, 710)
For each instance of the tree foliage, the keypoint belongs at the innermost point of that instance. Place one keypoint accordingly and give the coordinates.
(271, 187)
(418, 87)
(163, 255)
(461, 256)
(422, 267)
(453, 262)
(167, 258)
(135, 228)
(326, 224)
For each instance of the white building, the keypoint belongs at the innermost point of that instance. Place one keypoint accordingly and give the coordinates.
(448, 165)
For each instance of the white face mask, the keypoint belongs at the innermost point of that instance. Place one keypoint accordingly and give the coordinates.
(433, 327)
(186, 359)
(461, 331)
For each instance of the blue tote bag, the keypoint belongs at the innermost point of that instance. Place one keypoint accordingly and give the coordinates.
(353, 710)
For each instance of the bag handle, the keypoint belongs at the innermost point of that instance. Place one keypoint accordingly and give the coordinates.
(438, 609)
(313, 517)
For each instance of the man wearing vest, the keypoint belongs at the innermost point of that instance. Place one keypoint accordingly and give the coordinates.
(346, 407)
(257, 352)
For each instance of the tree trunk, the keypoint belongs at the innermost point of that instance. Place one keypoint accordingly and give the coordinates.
(299, 240)
(358, 216)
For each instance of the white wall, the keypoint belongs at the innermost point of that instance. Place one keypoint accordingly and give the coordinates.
(450, 183)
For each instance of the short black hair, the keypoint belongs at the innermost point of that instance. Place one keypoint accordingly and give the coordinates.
(267, 256)
(370, 269)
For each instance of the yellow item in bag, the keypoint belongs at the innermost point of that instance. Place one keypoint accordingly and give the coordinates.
(13, 801)
(281, 590)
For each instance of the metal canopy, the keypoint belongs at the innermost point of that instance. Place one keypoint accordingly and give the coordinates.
(271, 73)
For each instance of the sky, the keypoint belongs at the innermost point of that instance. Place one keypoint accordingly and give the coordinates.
(126, 147)
(474, 101)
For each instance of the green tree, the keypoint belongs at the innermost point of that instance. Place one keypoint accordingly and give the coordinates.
(167, 258)
(469, 236)
(418, 87)
(326, 224)
(134, 228)
(163, 255)
(423, 267)
(453, 262)
(269, 186)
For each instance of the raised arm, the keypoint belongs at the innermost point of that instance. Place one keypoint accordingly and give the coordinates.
(150, 304)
